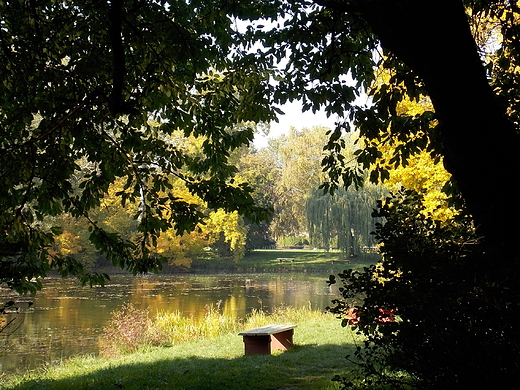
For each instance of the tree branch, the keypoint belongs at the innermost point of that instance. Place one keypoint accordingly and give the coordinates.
(115, 32)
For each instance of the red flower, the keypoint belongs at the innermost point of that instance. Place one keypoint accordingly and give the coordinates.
(353, 317)
(387, 315)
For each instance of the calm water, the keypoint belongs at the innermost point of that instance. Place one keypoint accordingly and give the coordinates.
(67, 319)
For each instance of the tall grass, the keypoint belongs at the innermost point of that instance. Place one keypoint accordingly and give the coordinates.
(282, 314)
(174, 328)
(131, 329)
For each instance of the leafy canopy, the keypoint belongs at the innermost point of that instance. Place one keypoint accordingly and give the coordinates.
(330, 56)
(90, 92)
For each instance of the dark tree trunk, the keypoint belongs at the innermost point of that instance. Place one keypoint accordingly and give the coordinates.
(481, 147)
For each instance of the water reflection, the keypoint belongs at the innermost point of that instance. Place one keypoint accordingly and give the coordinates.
(66, 319)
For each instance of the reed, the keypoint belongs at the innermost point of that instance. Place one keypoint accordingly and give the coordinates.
(170, 328)
(131, 329)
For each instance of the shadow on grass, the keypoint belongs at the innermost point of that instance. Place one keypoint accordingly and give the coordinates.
(302, 367)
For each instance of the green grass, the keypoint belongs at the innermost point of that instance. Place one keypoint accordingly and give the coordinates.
(301, 261)
(321, 345)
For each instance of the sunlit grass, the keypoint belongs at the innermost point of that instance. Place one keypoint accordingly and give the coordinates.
(216, 361)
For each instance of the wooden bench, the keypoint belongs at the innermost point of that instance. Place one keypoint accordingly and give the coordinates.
(260, 341)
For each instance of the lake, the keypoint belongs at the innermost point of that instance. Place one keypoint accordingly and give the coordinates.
(67, 319)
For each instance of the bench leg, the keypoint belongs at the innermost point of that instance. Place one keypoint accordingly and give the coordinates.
(257, 345)
(282, 340)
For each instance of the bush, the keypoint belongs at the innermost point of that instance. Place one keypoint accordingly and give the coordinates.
(128, 330)
(452, 326)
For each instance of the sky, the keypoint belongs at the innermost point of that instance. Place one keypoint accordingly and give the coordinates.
(294, 117)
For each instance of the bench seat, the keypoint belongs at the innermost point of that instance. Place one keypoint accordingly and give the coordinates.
(260, 341)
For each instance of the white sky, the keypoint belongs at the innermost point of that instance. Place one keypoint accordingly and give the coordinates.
(294, 117)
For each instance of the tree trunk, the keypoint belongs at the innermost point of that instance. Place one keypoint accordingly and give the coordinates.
(481, 147)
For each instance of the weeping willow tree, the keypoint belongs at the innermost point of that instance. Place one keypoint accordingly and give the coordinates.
(343, 220)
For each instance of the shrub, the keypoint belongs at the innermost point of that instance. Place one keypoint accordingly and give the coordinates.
(126, 332)
(453, 325)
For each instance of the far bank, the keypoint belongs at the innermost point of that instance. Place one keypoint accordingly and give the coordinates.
(279, 260)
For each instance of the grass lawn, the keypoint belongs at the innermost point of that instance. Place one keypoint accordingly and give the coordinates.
(321, 345)
(298, 260)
